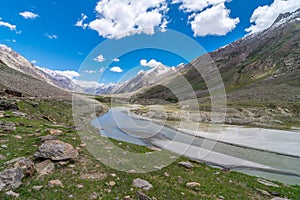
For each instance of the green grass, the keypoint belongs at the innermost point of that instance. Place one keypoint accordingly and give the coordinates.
(214, 183)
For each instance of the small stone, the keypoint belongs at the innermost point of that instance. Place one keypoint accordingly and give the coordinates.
(193, 184)
(114, 175)
(4, 146)
(79, 186)
(279, 198)
(47, 137)
(166, 174)
(140, 183)
(12, 194)
(55, 183)
(152, 148)
(267, 183)
(83, 145)
(37, 187)
(2, 157)
(111, 183)
(18, 137)
(263, 192)
(72, 166)
(127, 198)
(187, 165)
(94, 195)
(142, 196)
(55, 132)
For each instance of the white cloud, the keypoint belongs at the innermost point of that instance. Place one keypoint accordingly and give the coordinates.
(152, 63)
(213, 21)
(68, 73)
(264, 16)
(117, 19)
(90, 71)
(195, 6)
(99, 58)
(80, 21)
(51, 36)
(209, 17)
(8, 25)
(116, 69)
(34, 62)
(116, 60)
(28, 15)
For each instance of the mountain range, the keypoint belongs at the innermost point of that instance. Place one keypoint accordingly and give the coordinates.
(264, 65)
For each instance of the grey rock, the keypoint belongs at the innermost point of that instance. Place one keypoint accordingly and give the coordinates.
(267, 183)
(7, 126)
(37, 187)
(56, 150)
(44, 167)
(47, 137)
(11, 179)
(12, 194)
(26, 165)
(142, 196)
(5, 105)
(140, 183)
(187, 165)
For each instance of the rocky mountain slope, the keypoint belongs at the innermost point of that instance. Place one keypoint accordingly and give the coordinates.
(260, 67)
(146, 78)
(17, 62)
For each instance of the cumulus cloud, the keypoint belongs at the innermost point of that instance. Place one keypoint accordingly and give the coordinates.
(116, 69)
(151, 63)
(34, 62)
(214, 21)
(28, 15)
(117, 19)
(51, 36)
(264, 16)
(80, 22)
(99, 58)
(8, 25)
(68, 73)
(209, 17)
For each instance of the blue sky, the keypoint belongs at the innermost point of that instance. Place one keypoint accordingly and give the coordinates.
(60, 34)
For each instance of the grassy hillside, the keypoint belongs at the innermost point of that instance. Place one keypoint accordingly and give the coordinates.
(168, 183)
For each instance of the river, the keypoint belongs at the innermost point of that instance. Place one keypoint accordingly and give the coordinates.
(267, 153)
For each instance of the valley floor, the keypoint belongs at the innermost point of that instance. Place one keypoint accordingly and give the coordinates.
(84, 177)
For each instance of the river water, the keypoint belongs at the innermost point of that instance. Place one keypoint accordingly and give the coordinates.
(240, 149)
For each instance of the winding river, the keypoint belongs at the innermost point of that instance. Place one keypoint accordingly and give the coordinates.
(266, 153)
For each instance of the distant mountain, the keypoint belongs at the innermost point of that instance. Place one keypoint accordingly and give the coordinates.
(17, 62)
(264, 66)
(146, 78)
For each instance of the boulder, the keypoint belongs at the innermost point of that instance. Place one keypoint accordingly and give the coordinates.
(5, 105)
(56, 150)
(140, 183)
(7, 126)
(26, 165)
(11, 178)
(44, 167)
